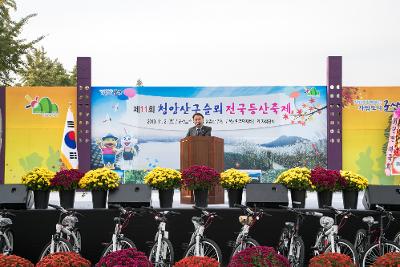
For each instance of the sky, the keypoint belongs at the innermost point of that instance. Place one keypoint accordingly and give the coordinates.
(221, 42)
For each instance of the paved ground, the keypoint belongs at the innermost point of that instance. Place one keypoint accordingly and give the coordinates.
(83, 200)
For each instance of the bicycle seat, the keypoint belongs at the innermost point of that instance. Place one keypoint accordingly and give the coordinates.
(243, 219)
(69, 221)
(118, 220)
(289, 224)
(369, 220)
(5, 221)
(197, 219)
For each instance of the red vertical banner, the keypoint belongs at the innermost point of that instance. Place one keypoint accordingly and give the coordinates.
(392, 165)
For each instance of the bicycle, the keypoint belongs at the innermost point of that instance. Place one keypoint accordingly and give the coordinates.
(162, 251)
(200, 245)
(6, 234)
(67, 236)
(118, 240)
(328, 239)
(396, 238)
(291, 244)
(243, 240)
(372, 243)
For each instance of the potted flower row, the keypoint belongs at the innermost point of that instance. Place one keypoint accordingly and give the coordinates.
(41, 181)
(200, 179)
(324, 181)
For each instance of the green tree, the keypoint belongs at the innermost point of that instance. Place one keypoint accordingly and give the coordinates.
(13, 48)
(40, 70)
(73, 75)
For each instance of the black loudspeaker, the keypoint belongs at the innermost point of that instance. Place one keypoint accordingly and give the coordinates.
(15, 196)
(266, 195)
(387, 196)
(130, 195)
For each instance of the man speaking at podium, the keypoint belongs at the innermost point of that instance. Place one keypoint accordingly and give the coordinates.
(199, 129)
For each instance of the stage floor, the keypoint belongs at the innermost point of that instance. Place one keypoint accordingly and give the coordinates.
(84, 200)
(33, 229)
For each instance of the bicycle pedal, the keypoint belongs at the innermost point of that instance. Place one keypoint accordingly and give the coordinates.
(104, 244)
(149, 243)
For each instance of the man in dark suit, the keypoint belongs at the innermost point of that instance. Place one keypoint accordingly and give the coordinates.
(199, 129)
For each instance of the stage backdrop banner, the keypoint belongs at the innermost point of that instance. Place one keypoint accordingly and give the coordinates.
(35, 118)
(268, 129)
(366, 124)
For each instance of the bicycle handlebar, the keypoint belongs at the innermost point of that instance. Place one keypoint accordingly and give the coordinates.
(207, 213)
(339, 212)
(59, 208)
(173, 212)
(245, 208)
(389, 214)
(7, 213)
(314, 213)
(64, 211)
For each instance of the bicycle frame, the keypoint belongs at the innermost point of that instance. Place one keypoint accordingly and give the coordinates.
(119, 227)
(116, 234)
(380, 238)
(61, 229)
(196, 236)
(3, 233)
(294, 232)
(332, 233)
(4, 227)
(294, 228)
(244, 232)
(158, 239)
(199, 228)
(68, 229)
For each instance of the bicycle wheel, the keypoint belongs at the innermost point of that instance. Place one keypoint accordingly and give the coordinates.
(297, 259)
(360, 243)
(122, 243)
(343, 246)
(60, 245)
(284, 242)
(208, 248)
(247, 243)
(166, 254)
(3, 244)
(375, 251)
(397, 239)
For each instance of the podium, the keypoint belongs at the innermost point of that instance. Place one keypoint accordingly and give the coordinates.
(207, 151)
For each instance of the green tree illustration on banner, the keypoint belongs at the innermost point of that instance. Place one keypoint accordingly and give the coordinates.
(31, 161)
(365, 163)
(53, 161)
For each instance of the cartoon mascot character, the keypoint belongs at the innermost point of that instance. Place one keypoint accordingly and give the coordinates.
(129, 150)
(108, 146)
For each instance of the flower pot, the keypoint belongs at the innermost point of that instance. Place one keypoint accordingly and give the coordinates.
(41, 199)
(99, 199)
(234, 197)
(67, 198)
(166, 198)
(201, 198)
(350, 199)
(298, 196)
(324, 198)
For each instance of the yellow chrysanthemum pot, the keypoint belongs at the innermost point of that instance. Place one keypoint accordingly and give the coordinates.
(165, 180)
(234, 181)
(352, 184)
